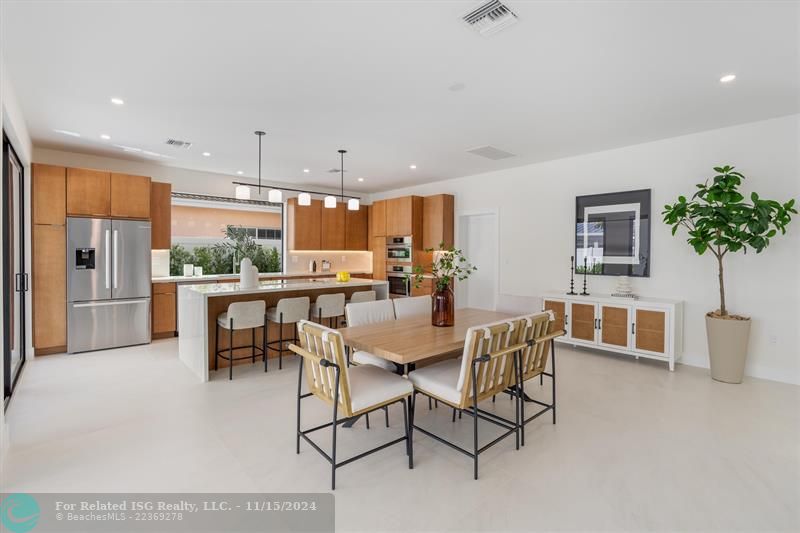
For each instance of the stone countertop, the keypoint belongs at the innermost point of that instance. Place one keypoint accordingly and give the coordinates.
(229, 289)
(266, 275)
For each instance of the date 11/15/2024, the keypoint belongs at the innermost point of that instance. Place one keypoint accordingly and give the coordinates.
(189, 507)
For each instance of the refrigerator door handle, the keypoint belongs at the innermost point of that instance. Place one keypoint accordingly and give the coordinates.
(111, 302)
(116, 248)
(108, 259)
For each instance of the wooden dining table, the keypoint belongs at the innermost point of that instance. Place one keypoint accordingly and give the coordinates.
(409, 341)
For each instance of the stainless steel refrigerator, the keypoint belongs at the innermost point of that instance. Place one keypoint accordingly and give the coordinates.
(108, 283)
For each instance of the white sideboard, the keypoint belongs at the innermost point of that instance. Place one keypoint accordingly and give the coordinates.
(646, 327)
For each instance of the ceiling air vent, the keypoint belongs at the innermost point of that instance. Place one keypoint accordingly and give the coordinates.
(490, 152)
(179, 144)
(490, 18)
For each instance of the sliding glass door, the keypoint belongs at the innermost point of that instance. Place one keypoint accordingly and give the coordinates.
(15, 279)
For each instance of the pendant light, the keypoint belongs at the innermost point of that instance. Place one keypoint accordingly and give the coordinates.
(274, 195)
(304, 199)
(330, 202)
(242, 192)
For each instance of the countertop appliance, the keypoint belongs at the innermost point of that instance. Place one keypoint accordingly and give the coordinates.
(399, 280)
(398, 249)
(108, 283)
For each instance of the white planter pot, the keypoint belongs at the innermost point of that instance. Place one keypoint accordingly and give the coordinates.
(727, 348)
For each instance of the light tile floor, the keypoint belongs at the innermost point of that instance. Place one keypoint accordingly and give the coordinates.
(635, 448)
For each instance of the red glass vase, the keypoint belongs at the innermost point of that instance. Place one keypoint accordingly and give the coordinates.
(442, 312)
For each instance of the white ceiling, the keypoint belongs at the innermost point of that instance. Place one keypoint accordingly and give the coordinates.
(374, 78)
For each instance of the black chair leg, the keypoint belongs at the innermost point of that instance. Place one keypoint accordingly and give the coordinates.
(280, 345)
(264, 343)
(454, 416)
(216, 349)
(430, 403)
(253, 343)
(553, 372)
(412, 403)
(386, 412)
(230, 354)
(366, 417)
(408, 434)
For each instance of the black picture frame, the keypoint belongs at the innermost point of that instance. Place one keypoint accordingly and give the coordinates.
(613, 231)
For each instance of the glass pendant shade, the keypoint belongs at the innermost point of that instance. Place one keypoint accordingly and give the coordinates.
(330, 202)
(303, 199)
(242, 192)
(275, 196)
(352, 204)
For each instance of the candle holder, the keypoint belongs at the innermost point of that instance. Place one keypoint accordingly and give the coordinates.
(585, 271)
(572, 276)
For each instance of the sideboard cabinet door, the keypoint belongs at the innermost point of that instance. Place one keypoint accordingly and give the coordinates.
(583, 324)
(650, 331)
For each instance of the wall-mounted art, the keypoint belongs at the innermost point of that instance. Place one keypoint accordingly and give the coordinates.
(612, 231)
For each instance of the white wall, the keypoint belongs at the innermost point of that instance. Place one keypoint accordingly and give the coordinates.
(536, 204)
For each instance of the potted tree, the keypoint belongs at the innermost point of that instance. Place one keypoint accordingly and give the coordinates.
(448, 264)
(719, 220)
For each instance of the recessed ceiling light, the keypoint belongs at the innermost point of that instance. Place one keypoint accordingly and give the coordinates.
(207, 154)
(105, 137)
(67, 132)
(117, 101)
(412, 167)
(239, 172)
(727, 78)
(306, 170)
(360, 179)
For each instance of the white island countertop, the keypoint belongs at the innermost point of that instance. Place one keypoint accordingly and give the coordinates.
(208, 278)
(279, 285)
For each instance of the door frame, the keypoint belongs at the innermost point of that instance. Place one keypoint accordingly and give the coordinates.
(462, 217)
(9, 381)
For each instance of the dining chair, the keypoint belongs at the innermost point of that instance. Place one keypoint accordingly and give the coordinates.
(362, 296)
(413, 306)
(359, 314)
(535, 335)
(487, 367)
(351, 391)
(240, 316)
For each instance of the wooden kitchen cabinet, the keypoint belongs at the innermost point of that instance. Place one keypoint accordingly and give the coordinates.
(88, 192)
(437, 221)
(356, 224)
(425, 288)
(377, 218)
(404, 216)
(160, 215)
(49, 288)
(379, 258)
(332, 232)
(165, 321)
(49, 198)
(304, 225)
(130, 196)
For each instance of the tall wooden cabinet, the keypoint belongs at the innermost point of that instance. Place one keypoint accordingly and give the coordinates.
(649, 328)
(333, 229)
(356, 233)
(377, 218)
(304, 224)
(49, 288)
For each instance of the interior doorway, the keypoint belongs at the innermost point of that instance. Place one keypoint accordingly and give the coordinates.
(478, 238)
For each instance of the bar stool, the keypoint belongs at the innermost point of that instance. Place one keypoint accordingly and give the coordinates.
(241, 315)
(362, 296)
(328, 306)
(288, 311)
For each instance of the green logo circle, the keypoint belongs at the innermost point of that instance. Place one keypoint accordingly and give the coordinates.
(20, 513)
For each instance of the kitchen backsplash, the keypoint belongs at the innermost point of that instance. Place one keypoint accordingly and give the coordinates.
(297, 262)
(160, 263)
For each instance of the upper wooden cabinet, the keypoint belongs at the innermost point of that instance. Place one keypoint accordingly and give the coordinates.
(161, 215)
(304, 225)
(404, 216)
(356, 229)
(437, 221)
(377, 218)
(333, 227)
(88, 192)
(49, 196)
(130, 196)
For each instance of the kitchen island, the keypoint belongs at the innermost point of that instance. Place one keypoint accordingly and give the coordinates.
(199, 306)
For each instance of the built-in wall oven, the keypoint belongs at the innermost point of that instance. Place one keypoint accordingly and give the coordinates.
(399, 278)
(398, 249)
